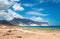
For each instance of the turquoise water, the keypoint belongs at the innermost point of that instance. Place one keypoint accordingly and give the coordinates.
(57, 27)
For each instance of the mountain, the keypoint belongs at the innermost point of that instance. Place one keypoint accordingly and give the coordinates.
(27, 22)
(6, 25)
(4, 22)
(23, 22)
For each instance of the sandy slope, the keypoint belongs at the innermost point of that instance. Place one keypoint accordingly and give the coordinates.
(29, 34)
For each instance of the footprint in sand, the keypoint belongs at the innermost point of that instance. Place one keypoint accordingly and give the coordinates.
(8, 33)
(19, 36)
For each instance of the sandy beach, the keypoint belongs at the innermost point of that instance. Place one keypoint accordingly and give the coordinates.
(29, 33)
(13, 32)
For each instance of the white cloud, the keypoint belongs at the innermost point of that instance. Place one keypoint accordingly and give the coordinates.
(14, 14)
(28, 5)
(37, 9)
(54, 1)
(10, 15)
(36, 13)
(42, 1)
(15, 0)
(39, 19)
(5, 4)
(3, 15)
(18, 7)
(40, 9)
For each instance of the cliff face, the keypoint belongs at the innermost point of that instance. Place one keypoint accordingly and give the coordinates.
(23, 22)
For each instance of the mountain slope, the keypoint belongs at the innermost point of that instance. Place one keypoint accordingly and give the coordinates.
(6, 25)
(4, 22)
(23, 22)
(26, 22)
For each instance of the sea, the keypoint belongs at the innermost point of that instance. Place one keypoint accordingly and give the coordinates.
(51, 27)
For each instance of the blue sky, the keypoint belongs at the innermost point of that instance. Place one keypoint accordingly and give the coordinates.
(38, 10)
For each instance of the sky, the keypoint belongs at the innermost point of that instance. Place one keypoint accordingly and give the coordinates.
(37, 10)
